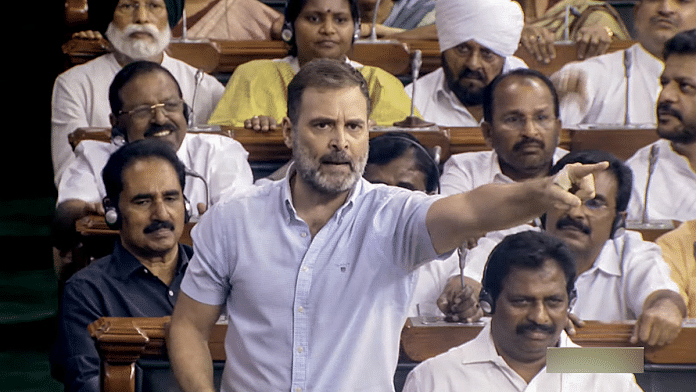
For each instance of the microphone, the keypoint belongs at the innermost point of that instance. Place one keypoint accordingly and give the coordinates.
(205, 183)
(627, 62)
(415, 71)
(652, 161)
(198, 78)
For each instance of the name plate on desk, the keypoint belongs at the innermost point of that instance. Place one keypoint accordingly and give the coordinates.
(594, 360)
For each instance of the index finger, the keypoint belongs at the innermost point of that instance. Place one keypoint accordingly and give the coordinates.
(583, 179)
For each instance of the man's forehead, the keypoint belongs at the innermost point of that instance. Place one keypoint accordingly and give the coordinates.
(523, 279)
(325, 101)
(146, 85)
(681, 65)
(514, 91)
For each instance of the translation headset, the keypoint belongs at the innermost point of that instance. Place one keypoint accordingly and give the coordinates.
(287, 33)
(433, 158)
(113, 217)
(488, 304)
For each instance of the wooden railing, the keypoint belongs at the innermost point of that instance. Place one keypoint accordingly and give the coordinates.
(122, 341)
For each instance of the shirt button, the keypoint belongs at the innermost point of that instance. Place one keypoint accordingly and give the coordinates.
(298, 389)
(300, 309)
(305, 269)
(303, 234)
(300, 349)
(145, 270)
(171, 293)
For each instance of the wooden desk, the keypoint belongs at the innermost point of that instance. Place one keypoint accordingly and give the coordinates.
(420, 342)
(122, 342)
(621, 142)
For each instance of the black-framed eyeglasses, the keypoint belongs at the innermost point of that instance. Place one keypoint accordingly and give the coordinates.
(146, 112)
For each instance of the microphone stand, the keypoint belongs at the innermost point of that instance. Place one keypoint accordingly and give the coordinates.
(373, 31)
(412, 121)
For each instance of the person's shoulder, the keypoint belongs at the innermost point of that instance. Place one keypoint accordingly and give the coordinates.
(641, 155)
(92, 275)
(100, 67)
(473, 158)
(607, 61)
(212, 143)
(377, 74)
(637, 248)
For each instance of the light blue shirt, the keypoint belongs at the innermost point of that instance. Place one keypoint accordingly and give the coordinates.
(321, 314)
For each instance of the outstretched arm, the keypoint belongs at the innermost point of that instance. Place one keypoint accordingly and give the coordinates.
(453, 219)
(187, 343)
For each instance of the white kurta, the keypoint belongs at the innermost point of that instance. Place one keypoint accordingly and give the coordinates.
(476, 366)
(438, 104)
(81, 99)
(220, 160)
(604, 98)
(672, 192)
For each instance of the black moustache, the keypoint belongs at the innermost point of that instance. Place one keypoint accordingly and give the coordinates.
(666, 108)
(527, 141)
(471, 74)
(567, 221)
(156, 225)
(550, 329)
(159, 128)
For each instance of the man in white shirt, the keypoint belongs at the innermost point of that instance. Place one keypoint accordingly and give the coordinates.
(671, 193)
(477, 40)
(146, 102)
(528, 289)
(621, 88)
(315, 270)
(138, 30)
(620, 276)
(521, 125)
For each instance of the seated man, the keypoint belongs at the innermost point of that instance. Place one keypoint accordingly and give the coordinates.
(521, 125)
(136, 33)
(144, 182)
(317, 291)
(477, 40)
(678, 251)
(256, 94)
(395, 16)
(622, 87)
(620, 276)
(146, 102)
(670, 194)
(528, 285)
(399, 159)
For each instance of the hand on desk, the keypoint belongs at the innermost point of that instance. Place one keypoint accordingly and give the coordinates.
(539, 42)
(261, 123)
(460, 303)
(88, 34)
(593, 41)
(661, 320)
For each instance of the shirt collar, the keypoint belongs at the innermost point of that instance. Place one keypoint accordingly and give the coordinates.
(609, 259)
(286, 194)
(482, 348)
(125, 264)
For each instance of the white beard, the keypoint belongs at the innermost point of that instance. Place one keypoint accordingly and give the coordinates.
(139, 49)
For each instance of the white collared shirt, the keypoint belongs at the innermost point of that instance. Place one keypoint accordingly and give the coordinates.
(318, 314)
(466, 171)
(672, 191)
(81, 99)
(624, 274)
(220, 160)
(476, 366)
(438, 104)
(606, 89)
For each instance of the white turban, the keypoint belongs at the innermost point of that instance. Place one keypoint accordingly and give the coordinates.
(495, 24)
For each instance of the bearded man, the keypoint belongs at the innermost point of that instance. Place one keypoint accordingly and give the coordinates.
(138, 30)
